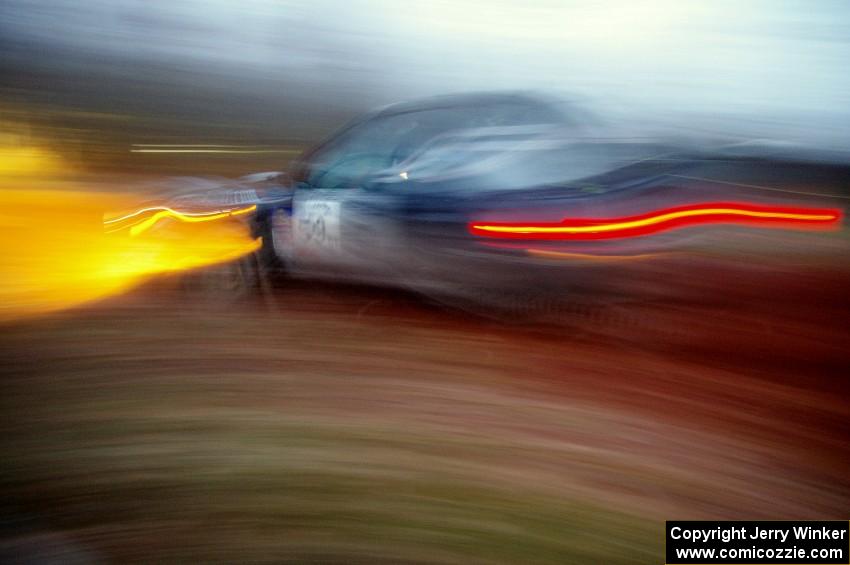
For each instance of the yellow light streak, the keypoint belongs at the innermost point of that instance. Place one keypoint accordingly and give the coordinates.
(157, 208)
(189, 217)
(563, 255)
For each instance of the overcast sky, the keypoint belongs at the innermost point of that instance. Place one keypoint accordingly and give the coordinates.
(782, 62)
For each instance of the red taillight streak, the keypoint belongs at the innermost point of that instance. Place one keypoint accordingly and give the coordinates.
(778, 217)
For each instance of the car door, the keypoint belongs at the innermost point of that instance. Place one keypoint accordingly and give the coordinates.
(342, 221)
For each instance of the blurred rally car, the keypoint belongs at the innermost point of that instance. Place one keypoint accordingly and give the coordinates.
(492, 196)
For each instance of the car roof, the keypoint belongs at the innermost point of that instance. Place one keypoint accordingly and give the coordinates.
(474, 99)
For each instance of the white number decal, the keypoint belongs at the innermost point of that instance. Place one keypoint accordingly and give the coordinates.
(316, 226)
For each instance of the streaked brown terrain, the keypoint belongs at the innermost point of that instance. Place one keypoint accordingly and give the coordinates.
(327, 423)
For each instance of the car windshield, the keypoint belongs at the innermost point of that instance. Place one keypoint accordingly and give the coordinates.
(385, 141)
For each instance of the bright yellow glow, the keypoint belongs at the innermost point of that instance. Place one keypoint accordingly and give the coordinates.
(56, 254)
(643, 222)
(24, 160)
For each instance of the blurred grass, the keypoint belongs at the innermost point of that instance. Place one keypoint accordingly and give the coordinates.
(242, 488)
(148, 450)
(353, 429)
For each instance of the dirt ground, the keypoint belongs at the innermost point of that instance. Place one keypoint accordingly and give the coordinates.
(335, 424)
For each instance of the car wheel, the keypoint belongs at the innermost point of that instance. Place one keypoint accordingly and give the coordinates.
(276, 252)
(222, 283)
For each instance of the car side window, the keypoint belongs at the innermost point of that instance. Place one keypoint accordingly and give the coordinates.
(358, 153)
